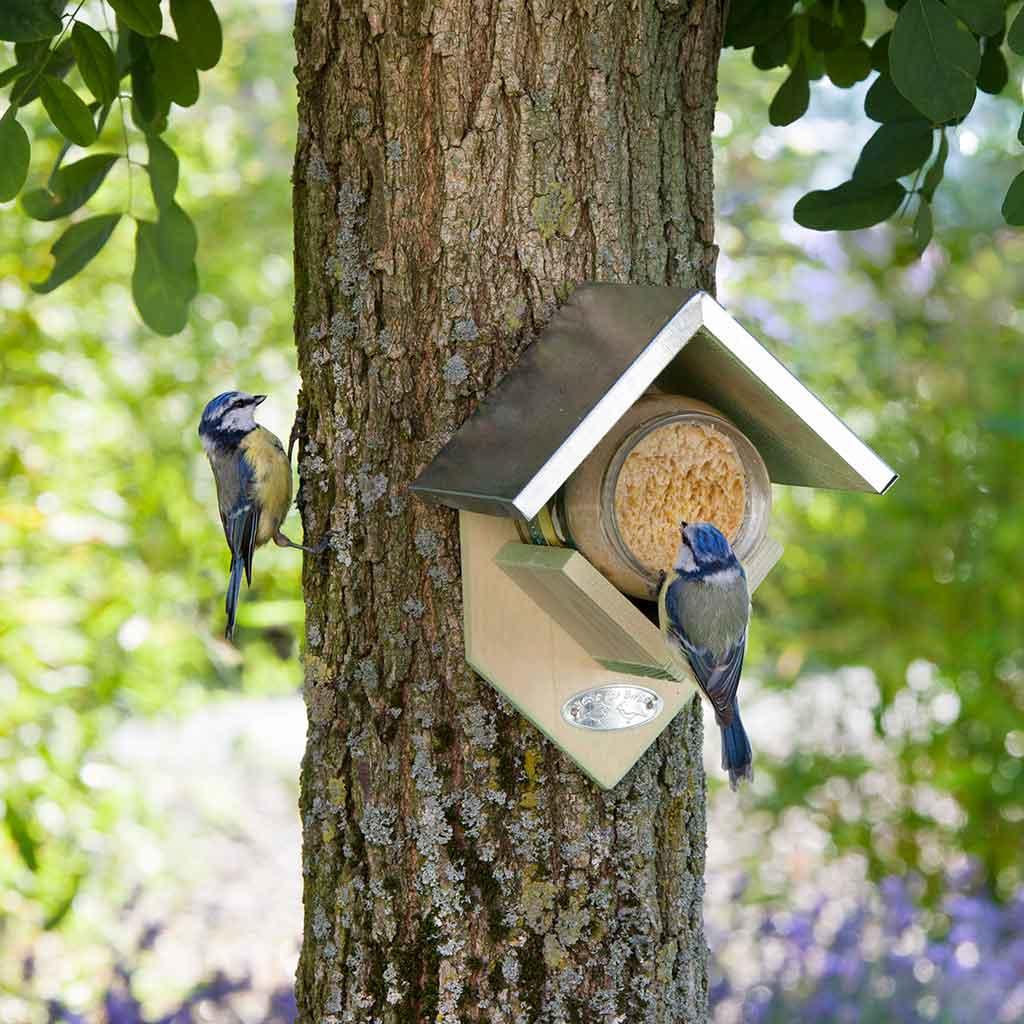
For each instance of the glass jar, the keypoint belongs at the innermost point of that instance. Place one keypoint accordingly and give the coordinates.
(669, 458)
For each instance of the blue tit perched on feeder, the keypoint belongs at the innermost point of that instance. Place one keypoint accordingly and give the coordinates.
(254, 484)
(704, 609)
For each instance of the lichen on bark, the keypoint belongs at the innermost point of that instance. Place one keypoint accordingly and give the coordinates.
(460, 167)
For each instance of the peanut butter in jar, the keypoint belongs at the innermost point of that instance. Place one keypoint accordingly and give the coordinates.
(668, 459)
(680, 470)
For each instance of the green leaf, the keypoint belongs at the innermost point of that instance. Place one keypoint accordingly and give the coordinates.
(58, 63)
(815, 63)
(128, 46)
(880, 53)
(923, 226)
(59, 162)
(18, 829)
(854, 15)
(62, 907)
(32, 52)
(849, 64)
(894, 150)
(1020, 131)
(1015, 37)
(933, 176)
(15, 71)
(76, 247)
(984, 17)
(162, 290)
(176, 237)
(774, 52)
(754, 21)
(23, 21)
(95, 61)
(173, 75)
(793, 97)
(163, 171)
(69, 188)
(149, 105)
(70, 116)
(1013, 204)
(886, 104)
(994, 73)
(198, 29)
(934, 60)
(104, 113)
(849, 207)
(17, 152)
(141, 15)
(822, 33)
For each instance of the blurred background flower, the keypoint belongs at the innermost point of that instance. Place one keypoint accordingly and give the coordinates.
(149, 843)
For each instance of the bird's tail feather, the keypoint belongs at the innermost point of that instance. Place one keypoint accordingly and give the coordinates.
(737, 757)
(231, 601)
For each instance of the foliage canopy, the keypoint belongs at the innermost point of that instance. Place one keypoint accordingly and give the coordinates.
(929, 57)
(112, 567)
(929, 67)
(53, 46)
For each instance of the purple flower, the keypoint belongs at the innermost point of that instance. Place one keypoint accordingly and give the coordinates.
(122, 1008)
(58, 1013)
(891, 959)
(282, 1008)
(899, 907)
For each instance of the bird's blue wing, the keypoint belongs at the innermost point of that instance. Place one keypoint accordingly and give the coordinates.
(718, 677)
(241, 515)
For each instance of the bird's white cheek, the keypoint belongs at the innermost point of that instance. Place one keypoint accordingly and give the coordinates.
(238, 419)
(684, 560)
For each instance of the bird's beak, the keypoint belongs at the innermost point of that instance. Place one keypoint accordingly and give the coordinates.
(258, 399)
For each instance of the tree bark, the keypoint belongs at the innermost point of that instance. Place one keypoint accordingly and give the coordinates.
(461, 165)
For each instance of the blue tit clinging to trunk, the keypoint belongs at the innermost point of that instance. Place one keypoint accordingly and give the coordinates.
(704, 609)
(254, 484)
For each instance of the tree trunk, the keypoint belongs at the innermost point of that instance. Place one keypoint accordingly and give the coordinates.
(461, 166)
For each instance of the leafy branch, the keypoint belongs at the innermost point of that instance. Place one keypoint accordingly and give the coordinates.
(928, 70)
(57, 57)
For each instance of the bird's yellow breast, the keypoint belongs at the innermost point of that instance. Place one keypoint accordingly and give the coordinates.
(272, 479)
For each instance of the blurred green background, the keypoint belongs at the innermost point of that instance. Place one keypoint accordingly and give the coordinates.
(112, 563)
(923, 586)
(887, 657)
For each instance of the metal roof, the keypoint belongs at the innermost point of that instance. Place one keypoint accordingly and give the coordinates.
(602, 349)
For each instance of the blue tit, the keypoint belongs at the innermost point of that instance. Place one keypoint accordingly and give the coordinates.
(254, 484)
(704, 610)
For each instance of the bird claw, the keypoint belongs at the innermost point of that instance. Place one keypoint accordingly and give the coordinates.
(285, 542)
(322, 546)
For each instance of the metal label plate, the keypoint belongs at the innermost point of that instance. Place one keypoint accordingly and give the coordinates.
(606, 708)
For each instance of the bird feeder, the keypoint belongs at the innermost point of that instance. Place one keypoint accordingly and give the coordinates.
(635, 408)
